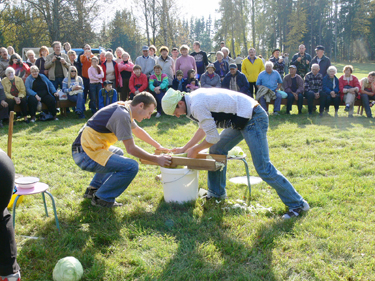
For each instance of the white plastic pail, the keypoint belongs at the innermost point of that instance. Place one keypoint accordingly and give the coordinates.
(179, 185)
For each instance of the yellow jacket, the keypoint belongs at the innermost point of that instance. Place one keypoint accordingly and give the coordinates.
(19, 85)
(252, 70)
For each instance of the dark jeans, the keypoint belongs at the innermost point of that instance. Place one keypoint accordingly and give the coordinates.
(3, 112)
(158, 98)
(124, 90)
(291, 100)
(48, 100)
(8, 246)
(86, 87)
(251, 89)
(94, 94)
(310, 96)
(57, 82)
(336, 101)
(23, 104)
(365, 102)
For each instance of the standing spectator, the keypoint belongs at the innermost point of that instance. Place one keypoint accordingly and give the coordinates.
(278, 62)
(185, 62)
(86, 64)
(323, 61)
(227, 57)
(107, 94)
(236, 80)
(102, 58)
(239, 60)
(293, 85)
(146, 62)
(331, 89)
(96, 75)
(251, 67)
(368, 92)
(73, 87)
(263, 60)
(349, 89)
(110, 69)
(30, 58)
(222, 45)
(119, 52)
(15, 92)
(57, 65)
(125, 69)
(302, 60)
(22, 69)
(221, 66)
(73, 62)
(200, 57)
(40, 89)
(313, 89)
(11, 51)
(158, 85)
(138, 82)
(286, 60)
(179, 83)
(210, 79)
(166, 63)
(4, 61)
(271, 79)
(175, 54)
(152, 53)
(66, 48)
(43, 53)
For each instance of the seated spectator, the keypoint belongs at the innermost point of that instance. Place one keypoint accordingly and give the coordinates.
(302, 61)
(185, 62)
(158, 85)
(293, 85)
(4, 61)
(43, 53)
(15, 92)
(179, 83)
(349, 89)
(3, 106)
(58, 65)
(66, 48)
(96, 75)
(270, 79)
(119, 52)
(320, 59)
(152, 52)
(236, 81)
(85, 60)
(200, 57)
(313, 89)
(278, 62)
(40, 88)
(138, 82)
(73, 87)
(222, 67)
(166, 63)
(111, 70)
(210, 79)
(368, 92)
(125, 69)
(146, 62)
(107, 94)
(331, 89)
(22, 70)
(73, 62)
(192, 83)
(226, 55)
(31, 60)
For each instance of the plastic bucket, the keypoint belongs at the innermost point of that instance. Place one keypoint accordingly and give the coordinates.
(179, 185)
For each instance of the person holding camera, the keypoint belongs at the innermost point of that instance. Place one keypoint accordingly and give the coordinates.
(57, 65)
(22, 70)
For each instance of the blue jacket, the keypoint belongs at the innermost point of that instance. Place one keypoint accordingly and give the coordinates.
(107, 101)
(242, 82)
(328, 85)
(175, 84)
(29, 85)
(219, 71)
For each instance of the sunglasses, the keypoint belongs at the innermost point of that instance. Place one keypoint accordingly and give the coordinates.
(73, 71)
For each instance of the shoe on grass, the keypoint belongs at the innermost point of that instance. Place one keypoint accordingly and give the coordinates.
(12, 277)
(96, 201)
(90, 191)
(347, 108)
(158, 115)
(296, 212)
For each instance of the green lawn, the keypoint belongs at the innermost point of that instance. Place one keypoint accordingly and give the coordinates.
(330, 161)
(360, 69)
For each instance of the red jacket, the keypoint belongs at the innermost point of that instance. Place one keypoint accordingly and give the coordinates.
(124, 67)
(141, 80)
(117, 73)
(353, 83)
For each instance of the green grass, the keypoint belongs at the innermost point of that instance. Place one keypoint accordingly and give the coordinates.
(360, 69)
(330, 161)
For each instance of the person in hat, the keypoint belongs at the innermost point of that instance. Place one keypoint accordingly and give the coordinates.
(166, 63)
(200, 57)
(179, 83)
(93, 149)
(302, 61)
(236, 80)
(210, 79)
(278, 62)
(158, 85)
(138, 82)
(146, 62)
(242, 118)
(107, 94)
(323, 61)
(293, 85)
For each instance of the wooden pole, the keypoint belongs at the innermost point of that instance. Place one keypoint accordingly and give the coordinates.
(10, 133)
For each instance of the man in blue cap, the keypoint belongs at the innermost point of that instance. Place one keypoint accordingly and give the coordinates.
(323, 61)
(146, 62)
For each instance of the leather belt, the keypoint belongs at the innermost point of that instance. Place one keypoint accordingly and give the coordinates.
(77, 149)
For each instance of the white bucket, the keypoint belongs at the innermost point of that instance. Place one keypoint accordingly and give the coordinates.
(180, 185)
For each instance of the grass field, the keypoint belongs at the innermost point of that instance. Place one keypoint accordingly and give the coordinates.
(330, 161)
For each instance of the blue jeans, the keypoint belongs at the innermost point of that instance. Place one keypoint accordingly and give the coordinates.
(57, 82)
(336, 101)
(255, 135)
(276, 106)
(80, 102)
(366, 103)
(94, 93)
(112, 179)
(291, 101)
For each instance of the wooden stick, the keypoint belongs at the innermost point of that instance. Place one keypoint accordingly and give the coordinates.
(10, 133)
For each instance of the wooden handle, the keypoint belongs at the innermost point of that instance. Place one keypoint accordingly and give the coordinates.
(10, 133)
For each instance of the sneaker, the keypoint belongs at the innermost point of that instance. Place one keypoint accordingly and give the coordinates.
(56, 119)
(158, 115)
(295, 212)
(96, 201)
(32, 120)
(12, 277)
(347, 108)
(90, 191)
